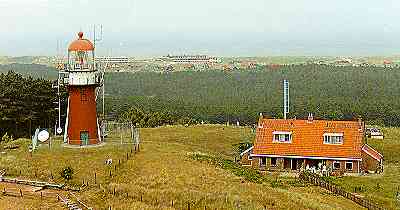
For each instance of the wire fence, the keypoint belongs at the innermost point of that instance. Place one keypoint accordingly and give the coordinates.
(122, 133)
(317, 180)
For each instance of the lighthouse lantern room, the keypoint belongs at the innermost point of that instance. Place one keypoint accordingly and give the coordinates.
(82, 126)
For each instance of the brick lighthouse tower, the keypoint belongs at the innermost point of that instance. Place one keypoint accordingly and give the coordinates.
(82, 127)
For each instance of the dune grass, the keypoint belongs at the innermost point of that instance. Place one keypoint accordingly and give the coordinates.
(381, 188)
(164, 172)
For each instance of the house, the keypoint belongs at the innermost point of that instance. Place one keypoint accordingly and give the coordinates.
(295, 144)
(245, 157)
(372, 159)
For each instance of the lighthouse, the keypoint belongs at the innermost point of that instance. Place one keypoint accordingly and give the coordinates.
(82, 126)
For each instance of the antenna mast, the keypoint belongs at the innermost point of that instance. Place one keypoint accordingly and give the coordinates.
(102, 67)
(285, 98)
(58, 63)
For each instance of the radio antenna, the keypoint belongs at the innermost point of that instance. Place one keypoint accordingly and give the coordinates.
(285, 98)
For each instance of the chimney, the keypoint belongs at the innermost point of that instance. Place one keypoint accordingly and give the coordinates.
(260, 118)
(310, 117)
(360, 124)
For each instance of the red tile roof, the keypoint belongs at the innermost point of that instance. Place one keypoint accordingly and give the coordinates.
(307, 138)
(371, 152)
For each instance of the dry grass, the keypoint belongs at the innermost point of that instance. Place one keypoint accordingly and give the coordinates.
(381, 188)
(163, 173)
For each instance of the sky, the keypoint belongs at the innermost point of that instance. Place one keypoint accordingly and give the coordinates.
(215, 27)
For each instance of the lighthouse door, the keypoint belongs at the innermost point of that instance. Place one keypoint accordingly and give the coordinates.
(84, 138)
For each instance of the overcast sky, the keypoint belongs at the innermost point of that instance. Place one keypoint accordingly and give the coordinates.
(216, 27)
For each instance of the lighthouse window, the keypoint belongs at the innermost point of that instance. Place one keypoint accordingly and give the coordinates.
(83, 96)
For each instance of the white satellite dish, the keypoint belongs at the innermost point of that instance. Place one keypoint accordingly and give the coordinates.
(43, 136)
(59, 130)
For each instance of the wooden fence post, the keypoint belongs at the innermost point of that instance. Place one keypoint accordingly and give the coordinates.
(95, 178)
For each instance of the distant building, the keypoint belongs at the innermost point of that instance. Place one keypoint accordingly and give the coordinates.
(374, 133)
(189, 59)
(343, 61)
(332, 147)
(114, 60)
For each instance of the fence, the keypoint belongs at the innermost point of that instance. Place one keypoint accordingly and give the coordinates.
(18, 192)
(317, 180)
(94, 181)
(123, 133)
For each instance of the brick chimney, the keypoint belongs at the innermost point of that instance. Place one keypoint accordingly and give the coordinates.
(310, 118)
(360, 124)
(260, 118)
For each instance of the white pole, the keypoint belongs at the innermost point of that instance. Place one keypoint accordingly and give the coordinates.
(120, 132)
(59, 101)
(103, 108)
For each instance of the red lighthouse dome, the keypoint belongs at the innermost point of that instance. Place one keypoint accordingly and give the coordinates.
(81, 44)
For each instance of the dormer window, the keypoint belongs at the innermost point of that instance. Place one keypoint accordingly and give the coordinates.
(282, 137)
(333, 138)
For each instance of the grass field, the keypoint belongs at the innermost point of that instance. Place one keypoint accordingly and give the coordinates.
(163, 172)
(381, 188)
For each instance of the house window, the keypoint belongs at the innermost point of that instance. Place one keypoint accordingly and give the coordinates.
(349, 166)
(282, 137)
(249, 157)
(333, 138)
(273, 161)
(336, 165)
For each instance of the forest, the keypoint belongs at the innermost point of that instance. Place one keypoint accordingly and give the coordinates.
(213, 96)
(329, 92)
(25, 104)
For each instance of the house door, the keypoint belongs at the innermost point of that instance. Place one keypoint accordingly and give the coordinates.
(84, 138)
(286, 163)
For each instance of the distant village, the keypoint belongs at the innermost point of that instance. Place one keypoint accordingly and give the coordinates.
(187, 62)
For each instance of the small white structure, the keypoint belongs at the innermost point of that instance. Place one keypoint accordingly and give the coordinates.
(374, 133)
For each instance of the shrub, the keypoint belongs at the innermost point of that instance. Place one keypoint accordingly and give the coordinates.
(6, 138)
(66, 173)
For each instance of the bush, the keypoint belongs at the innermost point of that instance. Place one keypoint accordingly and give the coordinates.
(6, 138)
(66, 173)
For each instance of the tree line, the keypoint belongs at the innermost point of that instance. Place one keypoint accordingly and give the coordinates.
(329, 92)
(152, 99)
(25, 104)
